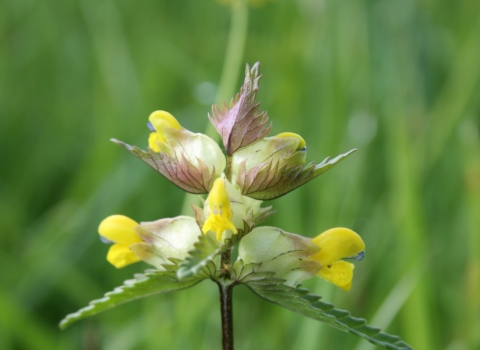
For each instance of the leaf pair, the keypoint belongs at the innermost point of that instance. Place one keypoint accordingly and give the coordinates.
(198, 267)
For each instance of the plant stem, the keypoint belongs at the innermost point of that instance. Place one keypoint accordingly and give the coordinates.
(232, 63)
(226, 292)
(228, 169)
(226, 259)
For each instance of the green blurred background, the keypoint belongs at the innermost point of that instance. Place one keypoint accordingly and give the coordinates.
(398, 79)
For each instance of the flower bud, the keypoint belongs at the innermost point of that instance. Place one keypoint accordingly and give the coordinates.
(275, 166)
(287, 149)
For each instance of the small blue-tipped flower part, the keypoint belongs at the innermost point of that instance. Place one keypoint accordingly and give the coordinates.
(357, 257)
(106, 240)
(150, 127)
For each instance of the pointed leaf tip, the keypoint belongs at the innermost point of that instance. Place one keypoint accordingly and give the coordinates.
(299, 300)
(143, 285)
(178, 169)
(241, 123)
(271, 180)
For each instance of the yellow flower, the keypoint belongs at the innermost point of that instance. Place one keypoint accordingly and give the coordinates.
(336, 244)
(120, 230)
(219, 218)
(158, 120)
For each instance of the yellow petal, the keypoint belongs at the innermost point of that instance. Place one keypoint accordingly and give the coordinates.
(218, 224)
(301, 141)
(119, 229)
(160, 119)
(219, 218)
(120, 255)
(152, 141)
(218, 200)
(339, 273)
(337, 243)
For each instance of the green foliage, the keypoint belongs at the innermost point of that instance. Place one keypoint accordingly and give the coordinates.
(207, 249)
(143, 285)
(397, 79)
(302, 302)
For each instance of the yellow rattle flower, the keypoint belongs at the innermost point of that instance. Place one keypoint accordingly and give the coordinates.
(219, 218)
(119, 229)
(336, 244)
(158, 120)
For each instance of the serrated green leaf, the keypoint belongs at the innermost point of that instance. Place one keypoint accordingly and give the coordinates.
(143, 285)
(207, 248)
(301, 301)
(241, 123)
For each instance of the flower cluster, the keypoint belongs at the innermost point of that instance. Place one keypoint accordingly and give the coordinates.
(253, 167)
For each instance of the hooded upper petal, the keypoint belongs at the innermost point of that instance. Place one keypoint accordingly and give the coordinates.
(337, 243)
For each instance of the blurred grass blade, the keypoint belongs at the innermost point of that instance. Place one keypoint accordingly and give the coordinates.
(394, 301)
(29, 331)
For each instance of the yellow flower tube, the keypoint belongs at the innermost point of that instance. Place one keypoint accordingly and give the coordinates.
(219, 218)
